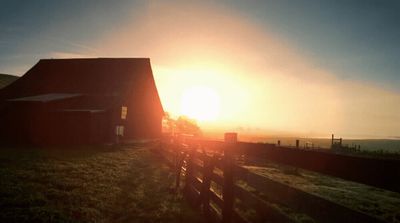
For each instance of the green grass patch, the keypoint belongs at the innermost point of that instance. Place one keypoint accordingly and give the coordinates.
(127, 184)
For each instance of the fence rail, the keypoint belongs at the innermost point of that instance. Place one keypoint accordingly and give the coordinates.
(227, 192)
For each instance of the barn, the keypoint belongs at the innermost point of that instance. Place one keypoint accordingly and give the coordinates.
(81, 101)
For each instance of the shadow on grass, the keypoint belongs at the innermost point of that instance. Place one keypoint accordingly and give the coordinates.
(88, 185)
(146, 195)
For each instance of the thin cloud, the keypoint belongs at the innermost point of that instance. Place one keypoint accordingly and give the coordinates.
(60, 55)
(71, 45)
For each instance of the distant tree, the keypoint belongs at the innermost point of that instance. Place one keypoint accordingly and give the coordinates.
(169, 124)
(181, 125)
(186, 125)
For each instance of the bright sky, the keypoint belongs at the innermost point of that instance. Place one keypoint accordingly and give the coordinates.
(305, 67)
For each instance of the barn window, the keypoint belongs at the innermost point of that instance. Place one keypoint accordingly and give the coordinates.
(124, 112)
(119, 130)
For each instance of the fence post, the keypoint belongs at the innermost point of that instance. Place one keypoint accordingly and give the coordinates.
(205, 190)
(180, 158)
(189, 172)
(227, 192)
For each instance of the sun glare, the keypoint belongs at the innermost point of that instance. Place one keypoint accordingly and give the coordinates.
(200, 103)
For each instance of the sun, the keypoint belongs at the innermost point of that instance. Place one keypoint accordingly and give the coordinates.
(201, 103)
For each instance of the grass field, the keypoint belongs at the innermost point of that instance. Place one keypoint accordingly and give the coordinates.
(374, 201)
(371, 146)
(88, 185)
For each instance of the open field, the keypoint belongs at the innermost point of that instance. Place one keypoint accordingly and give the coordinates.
(127, 184)
(367, 145)
(390, 146)
(374, 201)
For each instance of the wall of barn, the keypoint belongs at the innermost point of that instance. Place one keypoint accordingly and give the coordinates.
(38, 124)
(142, 122)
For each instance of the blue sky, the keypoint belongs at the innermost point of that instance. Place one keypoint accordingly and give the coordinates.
(358, 39)
(341, 57)
(32, 29)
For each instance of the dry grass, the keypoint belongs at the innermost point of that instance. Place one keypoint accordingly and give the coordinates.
(374, 201)
(88, 185)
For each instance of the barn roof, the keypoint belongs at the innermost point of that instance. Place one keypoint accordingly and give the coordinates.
(115, 78)
(46, 97)
(82, 110)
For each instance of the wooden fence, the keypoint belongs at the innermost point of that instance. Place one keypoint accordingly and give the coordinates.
(227, 192)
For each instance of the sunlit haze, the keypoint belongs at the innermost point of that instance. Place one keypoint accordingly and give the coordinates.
(231, 66)
(200, 103)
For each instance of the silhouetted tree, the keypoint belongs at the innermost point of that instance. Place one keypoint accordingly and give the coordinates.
(169, 124)
(182, 125)
(186, 125)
